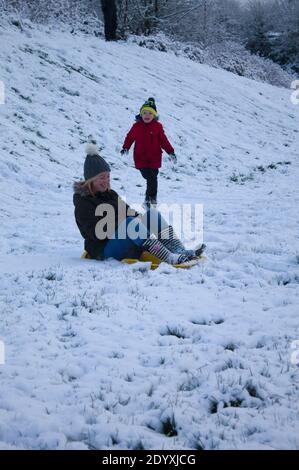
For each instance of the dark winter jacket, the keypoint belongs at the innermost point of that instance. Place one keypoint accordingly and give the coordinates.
(85, 208)
(149, 140)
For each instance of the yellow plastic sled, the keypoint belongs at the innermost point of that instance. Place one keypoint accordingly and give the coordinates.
(155, 262)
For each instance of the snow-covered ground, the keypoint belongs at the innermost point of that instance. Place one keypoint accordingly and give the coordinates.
(104, 355)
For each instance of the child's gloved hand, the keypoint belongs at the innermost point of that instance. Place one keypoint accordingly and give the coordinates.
(124, 151)
(173, 157)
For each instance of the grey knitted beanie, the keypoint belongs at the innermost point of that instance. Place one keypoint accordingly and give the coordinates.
(94, 163)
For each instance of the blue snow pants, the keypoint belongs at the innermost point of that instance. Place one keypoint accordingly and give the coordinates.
(132, 233)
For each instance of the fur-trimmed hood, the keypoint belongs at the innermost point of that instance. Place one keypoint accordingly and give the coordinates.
(80, 189)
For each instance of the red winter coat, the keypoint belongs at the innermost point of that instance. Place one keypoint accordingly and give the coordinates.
(149, 140)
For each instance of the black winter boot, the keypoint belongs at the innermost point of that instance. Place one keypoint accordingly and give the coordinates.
(200, 249)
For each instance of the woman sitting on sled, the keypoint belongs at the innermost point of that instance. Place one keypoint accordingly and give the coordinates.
(111, 229)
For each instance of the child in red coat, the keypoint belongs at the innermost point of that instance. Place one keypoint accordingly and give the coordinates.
(150, 139)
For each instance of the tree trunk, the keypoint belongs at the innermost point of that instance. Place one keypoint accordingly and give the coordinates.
(156, 8)
(110, 19)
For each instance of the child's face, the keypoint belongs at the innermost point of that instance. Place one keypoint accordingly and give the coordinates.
(147, 116)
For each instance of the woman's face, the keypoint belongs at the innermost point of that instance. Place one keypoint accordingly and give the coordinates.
(147, 116)
(101, 182)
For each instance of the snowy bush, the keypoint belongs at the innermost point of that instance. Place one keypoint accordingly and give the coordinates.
(234, 58)
(75, 14)
(227, 55)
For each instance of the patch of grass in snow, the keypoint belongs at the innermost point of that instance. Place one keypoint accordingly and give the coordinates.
(95, 397)
(39, 134)
(285, 279)
(261, 168)
(260, 344)
(234, 403)
(150, 391)
(199, 445)
(213, 405)
(25, 98)
(174, 331)
(241, 178)
(265, 372)
(116, 355)
(230, 347)
(208, 322)
(190, 384)
(70, 68)
(128, 378)
(51, 276)
(166, 426)
(253, 391)
(251, 430)
(284, 163)
(114, 439)
(219, 321)
(124, 401)
(69, 333)
(91, 303)
(197, 442)
(138, 446)
(230, 364)
(169, 427)
(69, 92)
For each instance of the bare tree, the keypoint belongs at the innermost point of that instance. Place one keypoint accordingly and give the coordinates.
(110, 19)
(140, 16)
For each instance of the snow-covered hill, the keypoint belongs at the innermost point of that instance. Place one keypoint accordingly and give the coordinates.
(102, 355)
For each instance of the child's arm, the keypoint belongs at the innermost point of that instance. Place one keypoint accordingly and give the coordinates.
(164, 142)
(130, 138)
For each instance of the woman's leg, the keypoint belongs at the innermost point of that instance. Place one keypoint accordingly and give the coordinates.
(154, 222)
(122, 246)
(157, 225)
(132, 234)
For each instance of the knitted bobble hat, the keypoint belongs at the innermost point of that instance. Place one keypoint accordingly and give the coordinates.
(149, 105)
(94, 163)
